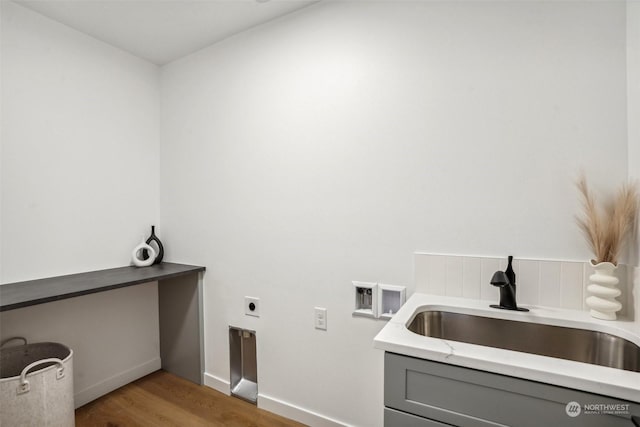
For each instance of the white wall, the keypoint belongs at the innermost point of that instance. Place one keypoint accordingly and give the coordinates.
(79, 149)
(79, 189)
(633, 125)
(633, 87)
(328, 146)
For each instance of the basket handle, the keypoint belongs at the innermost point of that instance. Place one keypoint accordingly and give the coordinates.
(24, 387)
(2, 344)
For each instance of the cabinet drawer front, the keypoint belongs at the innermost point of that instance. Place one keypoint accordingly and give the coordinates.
(467, 397)
(393, 418)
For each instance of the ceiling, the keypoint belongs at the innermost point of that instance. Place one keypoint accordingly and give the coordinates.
(163, 30)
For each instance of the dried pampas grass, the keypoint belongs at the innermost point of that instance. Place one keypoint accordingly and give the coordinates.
(606, 229)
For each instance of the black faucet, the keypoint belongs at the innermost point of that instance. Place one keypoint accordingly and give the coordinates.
(506, 281)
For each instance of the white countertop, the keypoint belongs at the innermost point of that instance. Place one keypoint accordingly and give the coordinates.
(396, 338)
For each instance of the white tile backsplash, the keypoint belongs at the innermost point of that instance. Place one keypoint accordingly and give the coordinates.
(528, 272)
(573, 285)
(561, 284)
(454, 276)
(550, 283)
(421, 272)
(471, 277)
(438, 274)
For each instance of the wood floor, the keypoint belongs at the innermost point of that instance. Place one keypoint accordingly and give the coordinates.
(163, 399)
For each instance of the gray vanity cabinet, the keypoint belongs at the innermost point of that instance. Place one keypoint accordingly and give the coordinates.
(422, 393)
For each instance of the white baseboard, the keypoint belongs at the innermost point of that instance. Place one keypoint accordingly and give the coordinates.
(108, 385)
(296, 413)
(217, 383)
(277, 406)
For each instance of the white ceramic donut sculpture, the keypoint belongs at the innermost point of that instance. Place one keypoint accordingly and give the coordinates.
(136, 255)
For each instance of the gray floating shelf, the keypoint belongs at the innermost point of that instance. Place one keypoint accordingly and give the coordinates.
(40, 291)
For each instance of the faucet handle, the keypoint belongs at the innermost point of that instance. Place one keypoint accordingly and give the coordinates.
(509, 271)
(500, 279)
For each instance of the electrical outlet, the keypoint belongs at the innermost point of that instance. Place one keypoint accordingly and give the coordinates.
(320, 318)
(252, 306)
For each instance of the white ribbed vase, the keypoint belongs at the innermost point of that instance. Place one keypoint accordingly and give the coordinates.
(603, 290)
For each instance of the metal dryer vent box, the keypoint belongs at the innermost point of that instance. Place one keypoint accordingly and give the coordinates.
(243, 364)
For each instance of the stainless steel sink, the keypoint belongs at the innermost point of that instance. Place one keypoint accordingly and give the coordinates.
(597, 348)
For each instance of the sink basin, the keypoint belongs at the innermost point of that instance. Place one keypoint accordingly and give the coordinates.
(581, 345)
